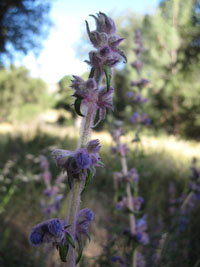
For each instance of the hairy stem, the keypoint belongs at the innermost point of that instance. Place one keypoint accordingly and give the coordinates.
(75, 194)
(130, 206)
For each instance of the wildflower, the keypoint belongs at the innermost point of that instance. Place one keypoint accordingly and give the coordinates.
(116, 134)
(145, 119)
(75, 163)
(141, 235)
(141, 83)
(85, 217)
(136, 98)
(132, 175)
(51, 230)
(137, 203)
(90, 96)
(44, 164)
(135, 117)
(106, 42)
(140, 260)
(122, 262)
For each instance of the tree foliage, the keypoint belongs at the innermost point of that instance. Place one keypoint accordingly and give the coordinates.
(171, 38)
(22, 25)
(22, 97)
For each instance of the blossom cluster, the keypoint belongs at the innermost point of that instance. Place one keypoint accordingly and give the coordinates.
(91, 98)
(53, 192)
(129, 203)
(135, 96)
(57, 232)
(106, 42)
(79, 163)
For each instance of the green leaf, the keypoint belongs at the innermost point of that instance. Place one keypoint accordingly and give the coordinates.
(91, 75)
(63, 250)
(136, 213)
(77, 106)
(70, 239)
(108, 74)
(88, 180)
(80, 252)
(101, 163)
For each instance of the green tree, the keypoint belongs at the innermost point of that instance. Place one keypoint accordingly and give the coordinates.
(22, 97)
(22, 25)
(172, 40)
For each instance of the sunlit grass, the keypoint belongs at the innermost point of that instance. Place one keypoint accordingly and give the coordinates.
(158, 161)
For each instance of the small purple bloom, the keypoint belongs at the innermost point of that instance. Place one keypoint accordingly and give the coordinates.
(36, 238)
(93, 146)
(141, 235)
(104, 24)
(82, 159)
(183, 223)
(132, 175)
(145, 119)
(135, 117)
(56, 227)
(85, 217)
(115, 258)
(44, 164)
(51, 230)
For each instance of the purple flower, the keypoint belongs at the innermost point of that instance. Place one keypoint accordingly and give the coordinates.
(92, 97)
(51, 230)
(136, 98)
(120, 149)
(44, 164)
(137, 203)
(106, 42)
(116, 134)
(145, 119)
(82, 159)
(135, 117)
(93, 146)
(141, 235)
(104, 101)
(75, 162)
(115, 258)
(183, 223)
(140, 260)
(104, 24)
(85, 217)
(56, 227)
(132, 175)
(121, 261)
(140, 83)
(83, 88)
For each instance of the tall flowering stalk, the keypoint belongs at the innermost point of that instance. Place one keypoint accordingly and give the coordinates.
(180, 210)
(90, 97)
(53, 191)
(132, 201)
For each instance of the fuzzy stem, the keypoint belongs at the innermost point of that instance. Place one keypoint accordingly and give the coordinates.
(130, 206)
(128, 192)
(75, 204)
(75, 194)
(86, 126)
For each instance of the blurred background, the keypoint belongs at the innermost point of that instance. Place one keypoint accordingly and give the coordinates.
(44, 43)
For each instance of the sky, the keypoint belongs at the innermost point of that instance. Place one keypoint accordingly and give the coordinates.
(58, 57)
